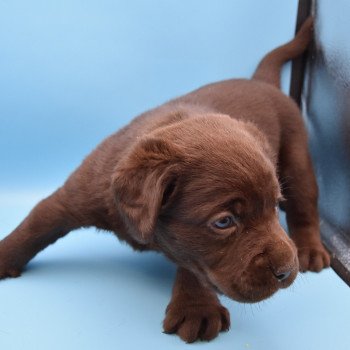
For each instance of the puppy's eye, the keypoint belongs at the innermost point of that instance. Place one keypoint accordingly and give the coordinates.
(224, 222)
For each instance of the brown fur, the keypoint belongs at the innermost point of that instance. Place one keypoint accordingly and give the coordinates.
(162, 181)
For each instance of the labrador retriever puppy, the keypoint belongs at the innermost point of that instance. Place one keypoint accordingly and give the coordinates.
(199, 179)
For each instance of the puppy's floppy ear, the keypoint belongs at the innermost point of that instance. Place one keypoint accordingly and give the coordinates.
(143, 182)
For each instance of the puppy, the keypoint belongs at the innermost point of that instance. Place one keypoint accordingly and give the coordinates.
(200, 180)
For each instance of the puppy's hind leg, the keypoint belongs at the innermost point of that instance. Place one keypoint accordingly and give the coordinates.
(48, 221)
(300, 190)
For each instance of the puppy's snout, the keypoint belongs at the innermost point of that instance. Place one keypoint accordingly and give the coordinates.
(283, 261)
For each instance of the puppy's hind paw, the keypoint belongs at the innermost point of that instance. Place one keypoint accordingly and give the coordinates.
(313, 258)
(193, 322)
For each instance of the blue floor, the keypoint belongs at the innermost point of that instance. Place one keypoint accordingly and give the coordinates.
(72, 72)
(88, 291)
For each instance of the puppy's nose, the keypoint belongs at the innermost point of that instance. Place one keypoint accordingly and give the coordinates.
(282, 275)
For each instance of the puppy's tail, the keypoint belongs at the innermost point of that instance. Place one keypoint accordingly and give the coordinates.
(269, 68)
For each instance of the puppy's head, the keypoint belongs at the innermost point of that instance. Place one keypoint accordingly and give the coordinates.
(205, 192)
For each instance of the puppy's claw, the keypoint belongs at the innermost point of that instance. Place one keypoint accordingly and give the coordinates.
(313, 258)
(193, 322)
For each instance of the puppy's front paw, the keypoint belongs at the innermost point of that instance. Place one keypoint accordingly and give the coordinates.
(196, 321)
(9, 267)
(10, 272)
(313, 257)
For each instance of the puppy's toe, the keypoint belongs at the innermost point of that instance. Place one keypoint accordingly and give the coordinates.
(313, 258)
(210, 328)
(225, 319)
(172, 322)
(189, 329)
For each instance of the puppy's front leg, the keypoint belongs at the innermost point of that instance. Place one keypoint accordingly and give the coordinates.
(194, 311)
(48, 221)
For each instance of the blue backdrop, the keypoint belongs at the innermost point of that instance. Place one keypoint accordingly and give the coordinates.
(71, 73)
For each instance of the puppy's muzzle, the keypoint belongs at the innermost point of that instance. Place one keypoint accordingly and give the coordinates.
(283, 261)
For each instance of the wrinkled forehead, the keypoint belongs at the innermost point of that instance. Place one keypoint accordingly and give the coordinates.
(209, 187)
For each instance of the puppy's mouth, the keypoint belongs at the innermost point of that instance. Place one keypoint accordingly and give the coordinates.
(245, 292)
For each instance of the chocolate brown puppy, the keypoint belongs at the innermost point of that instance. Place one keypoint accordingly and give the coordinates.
(200, 180)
